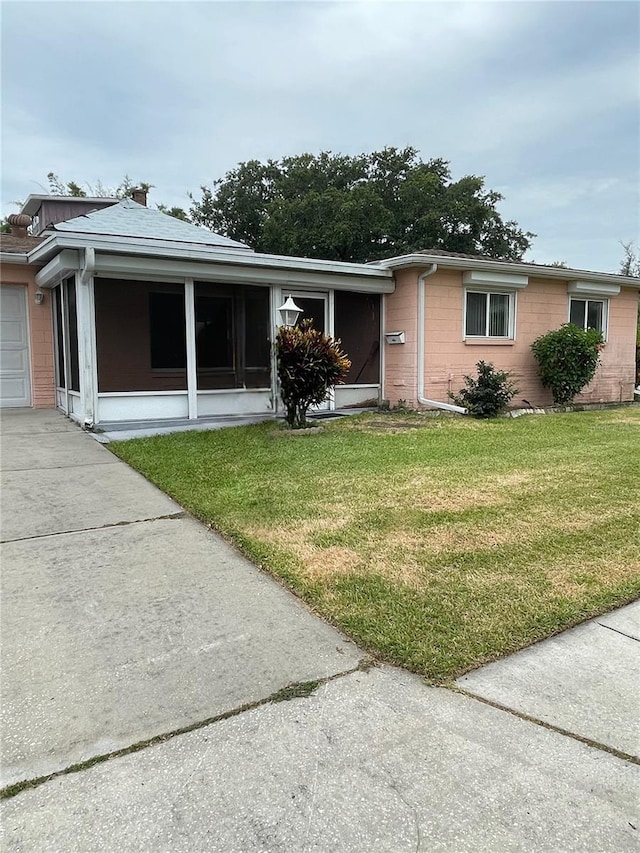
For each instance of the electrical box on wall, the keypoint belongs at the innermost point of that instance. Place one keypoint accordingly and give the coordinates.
(394, 337)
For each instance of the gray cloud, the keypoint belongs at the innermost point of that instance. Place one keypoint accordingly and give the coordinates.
(541, 98)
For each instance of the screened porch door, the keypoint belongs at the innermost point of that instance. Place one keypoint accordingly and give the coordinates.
(315, 306)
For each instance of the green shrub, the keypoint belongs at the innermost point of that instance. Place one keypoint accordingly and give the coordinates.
(309, 363)
(567, 360)
(489, 394)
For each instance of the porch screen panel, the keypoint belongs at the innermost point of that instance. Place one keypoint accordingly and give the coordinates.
(256, 335)
(140, 336)
(357, 324)
(72, 332)
(167, 331)
(232, 336)
(214, 326)
(60, 366)
(311, 309)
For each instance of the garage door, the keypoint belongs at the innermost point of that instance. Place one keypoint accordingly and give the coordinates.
(15, 386)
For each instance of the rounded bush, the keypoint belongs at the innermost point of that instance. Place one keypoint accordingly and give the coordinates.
(567, 360)
(489, 394)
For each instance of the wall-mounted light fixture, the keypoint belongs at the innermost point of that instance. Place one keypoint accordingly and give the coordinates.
(39, 297)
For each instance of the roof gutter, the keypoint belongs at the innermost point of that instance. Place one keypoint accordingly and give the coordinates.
(208, 254)
(490, 265)
(436, 404)
(13, 258)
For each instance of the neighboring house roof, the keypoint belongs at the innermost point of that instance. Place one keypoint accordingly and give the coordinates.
(127, 218)
(18, 245)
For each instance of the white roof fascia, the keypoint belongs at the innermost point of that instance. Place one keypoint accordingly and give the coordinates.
(34, 201)
(42, 252)
(164, 269)
(518, 267)
(13, 258)
(170, 249)
(58, 268)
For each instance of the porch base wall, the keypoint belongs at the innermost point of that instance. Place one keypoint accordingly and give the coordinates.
(356, 395)
(243, 402)
(141, 407)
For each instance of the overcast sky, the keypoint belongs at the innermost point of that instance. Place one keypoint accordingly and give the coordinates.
(539, 97)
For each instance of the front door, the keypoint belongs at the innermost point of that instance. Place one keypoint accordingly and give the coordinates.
(15, 380)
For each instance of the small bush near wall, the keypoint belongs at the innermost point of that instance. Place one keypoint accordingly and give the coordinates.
(309, 363)
(489, 394)
(567, 360)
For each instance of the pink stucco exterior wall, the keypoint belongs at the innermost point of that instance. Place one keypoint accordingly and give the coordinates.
(541, 306)
(40, 334)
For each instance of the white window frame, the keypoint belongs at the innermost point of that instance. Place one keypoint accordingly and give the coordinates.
(511, 320)
(503, 284)
(586, 299)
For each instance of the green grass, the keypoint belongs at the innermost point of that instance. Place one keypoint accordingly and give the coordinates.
(437, 543)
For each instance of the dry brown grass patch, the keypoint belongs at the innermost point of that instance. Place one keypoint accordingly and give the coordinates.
(566, 576)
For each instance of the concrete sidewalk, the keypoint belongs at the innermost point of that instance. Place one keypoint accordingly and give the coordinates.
(125, 621)
(585, 681)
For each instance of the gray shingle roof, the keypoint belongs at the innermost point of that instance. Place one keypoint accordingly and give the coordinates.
(443, 253)
(130, 219)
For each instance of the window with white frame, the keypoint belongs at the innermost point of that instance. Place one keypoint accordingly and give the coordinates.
(489, 314)
(589, 314)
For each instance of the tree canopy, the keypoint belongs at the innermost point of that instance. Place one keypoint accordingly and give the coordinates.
(357, 208)
(98, 190)
(630, 263)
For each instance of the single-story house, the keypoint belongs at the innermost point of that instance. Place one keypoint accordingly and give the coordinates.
(113, 312)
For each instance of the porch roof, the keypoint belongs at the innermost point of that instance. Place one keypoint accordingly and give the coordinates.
(153, 259)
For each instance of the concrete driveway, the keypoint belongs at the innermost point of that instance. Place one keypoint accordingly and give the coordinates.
(122, 618)
(134, 637)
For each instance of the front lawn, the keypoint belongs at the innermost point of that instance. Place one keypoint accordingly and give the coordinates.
(438, 543)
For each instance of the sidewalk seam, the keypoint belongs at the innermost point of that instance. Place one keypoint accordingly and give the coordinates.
(617, 631)
(295, 690)
(167, 517)
(617, 753)
(57, 467)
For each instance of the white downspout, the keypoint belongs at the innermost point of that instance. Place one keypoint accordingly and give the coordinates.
(88, 268)
(449, 407)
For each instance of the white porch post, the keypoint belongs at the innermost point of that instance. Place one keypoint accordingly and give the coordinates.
(192, 372)
(331, 330)
(276, 301)
(64, 367)
(86, 340)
